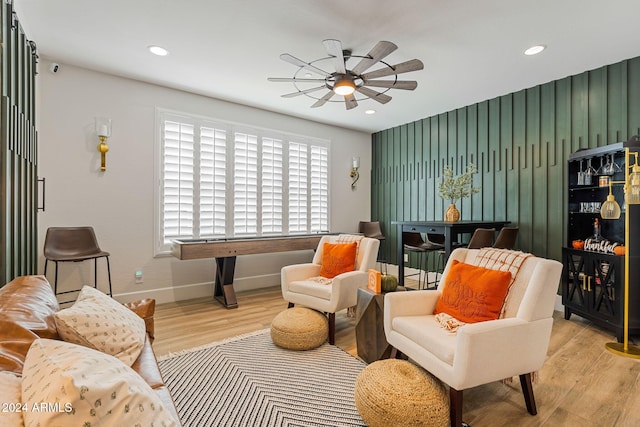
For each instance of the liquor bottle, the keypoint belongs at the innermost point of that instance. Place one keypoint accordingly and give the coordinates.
(597, 236)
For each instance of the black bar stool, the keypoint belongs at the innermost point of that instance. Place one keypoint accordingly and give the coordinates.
(73, 244)
(373, 230)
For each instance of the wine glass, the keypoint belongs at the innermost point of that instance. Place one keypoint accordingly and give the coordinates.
(589, 173)
(602, 170)
(615, 167)
(581, 174)
(609, 168)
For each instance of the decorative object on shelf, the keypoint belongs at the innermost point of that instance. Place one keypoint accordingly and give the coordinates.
(389, 283)
(348, 81)
(355, 175)
(454, 188)
(103, 130)
(578, 244)
(597, 234)
(632, 197)
(600, 245)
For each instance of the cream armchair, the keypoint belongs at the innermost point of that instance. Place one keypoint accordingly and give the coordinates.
(481, 352)
(297, 288)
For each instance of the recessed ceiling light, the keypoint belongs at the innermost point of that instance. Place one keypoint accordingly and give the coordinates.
(370, 112)
(157, 50)
(534, 50)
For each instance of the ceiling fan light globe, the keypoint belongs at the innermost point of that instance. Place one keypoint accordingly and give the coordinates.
(344, 87)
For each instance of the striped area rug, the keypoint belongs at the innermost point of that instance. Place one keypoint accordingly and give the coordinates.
(248, 381)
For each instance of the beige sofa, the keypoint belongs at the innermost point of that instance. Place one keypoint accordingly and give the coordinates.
(27, 307)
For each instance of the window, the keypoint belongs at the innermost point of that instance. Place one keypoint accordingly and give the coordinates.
(222, 180)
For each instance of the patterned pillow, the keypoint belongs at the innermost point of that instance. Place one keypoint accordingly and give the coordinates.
(84, 387)
(98, 321)
(473, 294)
(338, 258)
(11, 400)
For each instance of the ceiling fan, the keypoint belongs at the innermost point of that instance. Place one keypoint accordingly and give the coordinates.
(347, 81)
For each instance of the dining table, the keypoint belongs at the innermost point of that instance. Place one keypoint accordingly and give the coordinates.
(450, 230)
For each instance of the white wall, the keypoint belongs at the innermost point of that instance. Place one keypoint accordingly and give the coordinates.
(119, 203)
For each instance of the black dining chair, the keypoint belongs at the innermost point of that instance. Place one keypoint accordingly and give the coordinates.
(506, 238)
(482, 238)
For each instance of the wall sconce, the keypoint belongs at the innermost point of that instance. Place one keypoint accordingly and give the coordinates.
(610, 209)
(355, 175)
(103, 130)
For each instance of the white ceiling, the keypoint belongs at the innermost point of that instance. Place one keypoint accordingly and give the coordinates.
(226, 49)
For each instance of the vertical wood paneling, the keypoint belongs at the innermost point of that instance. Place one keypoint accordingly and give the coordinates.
(633, 100)
(472, 155)
(495, 178)
(597, 111)
(520, 143)
(421, 193)
(18, 150)
(506, 150)
(616, 101)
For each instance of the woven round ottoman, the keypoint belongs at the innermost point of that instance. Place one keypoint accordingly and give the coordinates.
(299, 328)
(398, 393)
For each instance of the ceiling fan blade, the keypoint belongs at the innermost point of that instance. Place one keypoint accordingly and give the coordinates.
(300, 63)
(379, 51)
(403, 67)
(350, 101)
(334, 48)
(393, 84)
(293, 79)
(320, 102)
(302, 92)
(376, 96)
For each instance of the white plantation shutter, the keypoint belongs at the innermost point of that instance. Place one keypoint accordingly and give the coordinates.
(213, 161)
(319, 189)
(272, 186)
(217, 181)
(245, 184)
(297, 187)
(177, 188)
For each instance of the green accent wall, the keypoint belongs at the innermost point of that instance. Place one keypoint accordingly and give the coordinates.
(520, 143)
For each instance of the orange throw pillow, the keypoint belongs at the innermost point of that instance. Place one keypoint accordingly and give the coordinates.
(473, 294)
(338, 258)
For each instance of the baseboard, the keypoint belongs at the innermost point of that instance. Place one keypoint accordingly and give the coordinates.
(198, 290)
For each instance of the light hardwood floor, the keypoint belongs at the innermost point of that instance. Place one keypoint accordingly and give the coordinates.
(581, 384)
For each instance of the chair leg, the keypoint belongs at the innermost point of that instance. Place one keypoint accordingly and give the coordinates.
(397, 354)
(55, 280)
(527, 390)
(109, 277)
(332, 328)
(455, 407)
(95, 273)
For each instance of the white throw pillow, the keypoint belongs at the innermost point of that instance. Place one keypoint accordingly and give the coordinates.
(98, 321)
(84, 387)
(11, 400)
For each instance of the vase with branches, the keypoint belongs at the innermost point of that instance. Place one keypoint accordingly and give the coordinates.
(453, 188)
